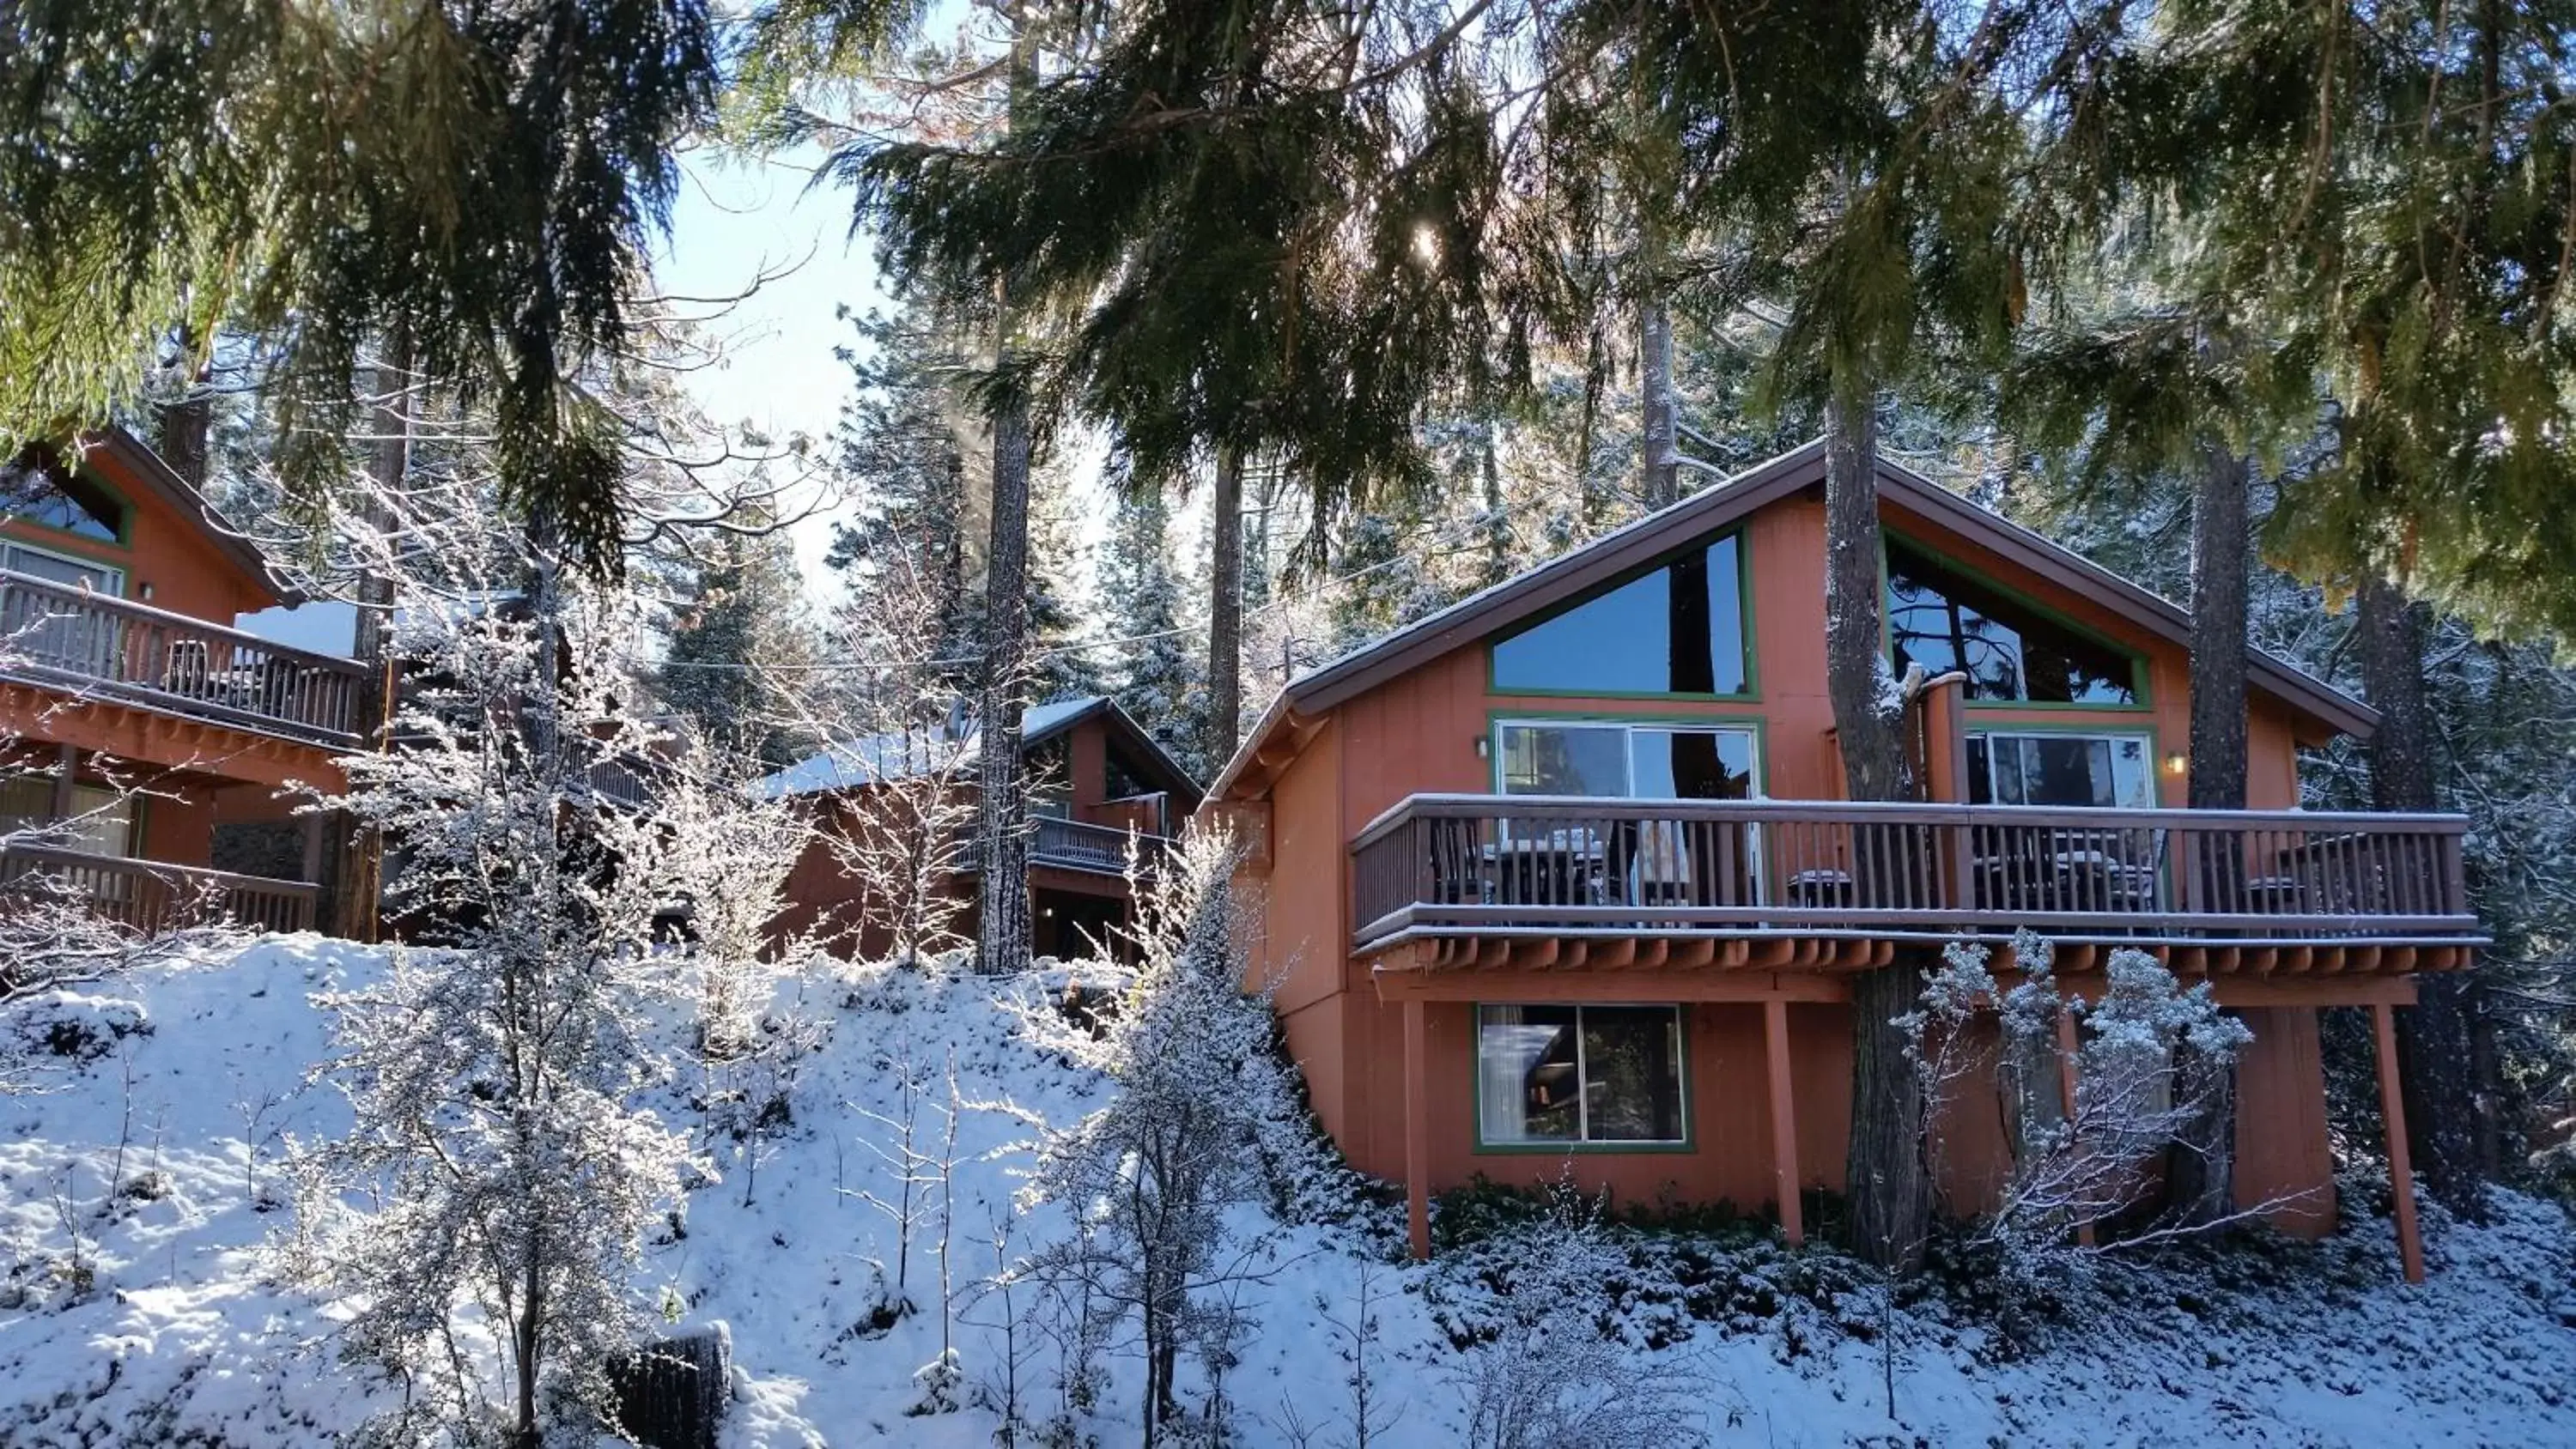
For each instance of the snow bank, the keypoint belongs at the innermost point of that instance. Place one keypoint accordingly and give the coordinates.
(134, 1306)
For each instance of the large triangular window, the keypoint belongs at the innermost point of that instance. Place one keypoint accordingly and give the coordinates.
(1677, 628)
(40, 488)
(1943, 618)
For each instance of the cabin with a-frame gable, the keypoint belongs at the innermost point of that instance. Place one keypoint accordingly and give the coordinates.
(1564, 873)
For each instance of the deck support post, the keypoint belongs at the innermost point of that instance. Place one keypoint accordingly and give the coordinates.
(66, 775)
(2066, 1050)
(317, 834)
(1784, 1119)
(1417, 1131)
(2401, 1172)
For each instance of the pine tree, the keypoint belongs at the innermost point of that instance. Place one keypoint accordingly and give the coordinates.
(734, 642)
(901, 450)
(906, 456)
(482, 182)
(1154, 674)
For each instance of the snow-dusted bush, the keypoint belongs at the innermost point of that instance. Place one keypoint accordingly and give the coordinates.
(726, 852)
(495, 1158)
(2150, 1053)
(1553, 1373)
(1199, 1120)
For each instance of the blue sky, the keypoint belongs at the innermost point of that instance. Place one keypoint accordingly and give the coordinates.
(735, 221)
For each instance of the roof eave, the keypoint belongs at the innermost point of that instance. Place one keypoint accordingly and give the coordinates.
(190, 502)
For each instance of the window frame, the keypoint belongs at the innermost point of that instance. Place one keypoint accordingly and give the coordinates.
(2141, 675)
(1750, 726)
(1744, 605)
(115, 573)
(2144, 735)
(123, 540)
(1687, 1142)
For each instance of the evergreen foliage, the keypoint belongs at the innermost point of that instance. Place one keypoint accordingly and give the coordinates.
(1153, 671)
(476, 184)
(734, 640)
(907, 453)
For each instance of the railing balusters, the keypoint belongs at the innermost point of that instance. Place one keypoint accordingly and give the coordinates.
(1928, 871)
(171, 661)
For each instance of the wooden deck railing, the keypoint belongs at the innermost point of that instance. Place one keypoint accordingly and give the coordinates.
(1075, 845)
(152, 896)
(89, 643)
(1463, 864)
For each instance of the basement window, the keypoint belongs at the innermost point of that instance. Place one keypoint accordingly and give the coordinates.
(1556, 1075)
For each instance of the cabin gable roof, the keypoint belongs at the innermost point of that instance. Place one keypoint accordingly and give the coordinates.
(129, 463)
(1527, 595)
(856, 764)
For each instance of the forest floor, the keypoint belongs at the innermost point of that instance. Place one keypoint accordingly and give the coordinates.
(144, 1182)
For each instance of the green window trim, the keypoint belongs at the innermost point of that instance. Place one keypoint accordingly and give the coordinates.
(2143, 729)
(2141, 674)
(1744, 607)
(1688, 1142)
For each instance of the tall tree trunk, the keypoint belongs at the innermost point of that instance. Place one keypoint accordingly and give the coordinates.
(357, 890)
(1659, 471)
(2435, 1036)
(2218, 632)
(528, 1343)
(1002, 924)
(1002, 930)
(1225, 611)
(1498, 532)
(187, 424)
(2200, 1167)
(1887, 1185)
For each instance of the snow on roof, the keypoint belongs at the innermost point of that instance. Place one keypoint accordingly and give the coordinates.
(874, 759)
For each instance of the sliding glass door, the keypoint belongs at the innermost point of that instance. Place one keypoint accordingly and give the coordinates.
(1647, 862)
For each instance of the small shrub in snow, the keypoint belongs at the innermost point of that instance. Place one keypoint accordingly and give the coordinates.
(1551, 1371)
(1200, 1122)
(726, 853)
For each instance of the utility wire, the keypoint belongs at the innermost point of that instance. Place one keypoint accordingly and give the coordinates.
(1448, 535)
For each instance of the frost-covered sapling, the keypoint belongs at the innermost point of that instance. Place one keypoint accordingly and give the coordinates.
(1149, 1177)
(1001, 1291)
(727, 852)
(1548, 1376)
(905, 1187)
(902, 804)
(2079, 1160)
(493, 1084)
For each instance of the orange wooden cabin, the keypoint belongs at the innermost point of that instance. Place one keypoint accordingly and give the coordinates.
(1098, 785)
(148, 737)
(1564, 872)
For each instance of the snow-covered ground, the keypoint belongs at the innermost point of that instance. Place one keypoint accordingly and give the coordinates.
(142, 1181)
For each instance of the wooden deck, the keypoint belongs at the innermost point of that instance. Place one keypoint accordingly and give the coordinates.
(1562, 882)
(1077, 845)
(89, 645)
(151, 895)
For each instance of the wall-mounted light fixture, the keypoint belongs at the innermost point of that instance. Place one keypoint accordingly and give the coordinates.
(1484, 748)
(2177, 763)
(147, 593)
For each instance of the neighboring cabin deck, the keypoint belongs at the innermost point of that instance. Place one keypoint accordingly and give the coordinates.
(95, 647)
(1078, 845)
(1559, 883)
(152, 896)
